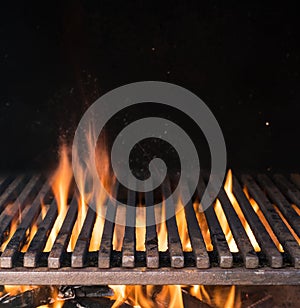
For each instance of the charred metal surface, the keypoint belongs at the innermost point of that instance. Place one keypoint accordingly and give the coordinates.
(151, 241)
(83, 242)
(261, 234)
(174, 244)
(40, 239)
(107, 237)
(162, 276)
(197, 241)
(240, 236)
(280, 229)
(128, 251)
(279, 200)
(60, 245)
(217, 236)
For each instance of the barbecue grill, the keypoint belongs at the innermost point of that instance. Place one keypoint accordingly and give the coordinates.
(26, 195)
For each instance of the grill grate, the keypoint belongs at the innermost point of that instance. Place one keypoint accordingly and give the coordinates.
(23, 196)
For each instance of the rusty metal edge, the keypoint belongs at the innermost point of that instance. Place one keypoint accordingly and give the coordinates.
(162, 276)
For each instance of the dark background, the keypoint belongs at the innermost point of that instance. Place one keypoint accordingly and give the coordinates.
(58, 57)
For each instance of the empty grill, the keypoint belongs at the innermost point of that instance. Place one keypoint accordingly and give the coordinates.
(30, 200)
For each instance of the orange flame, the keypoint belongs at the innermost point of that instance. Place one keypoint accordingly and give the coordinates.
(201, 293)
(230, 300)
(13, 226)
(263, 220)
(297, 210)
(203, 226)
(147, 296)
(16, 289)
(225, 226)
(228, 189)
(119, 230)
(287, 224)
(161, 228)
(60, 185)
(31, 233)
(182, 227)
(140, 230)
(108, 181)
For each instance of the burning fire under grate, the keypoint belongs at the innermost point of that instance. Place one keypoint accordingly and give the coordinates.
(250, 235)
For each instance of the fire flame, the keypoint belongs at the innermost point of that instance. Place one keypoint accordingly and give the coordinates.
(287, 224)
(31, 233)
(228, 189)
(140, 230)
(141, 296)
(201, 293)
(263, 220)
(14, 289)
(182, 227)
(161, 228)
(147, 296)
(225, 226)
(13, 227)
(203, 226)
(60, 185)
(297, 210)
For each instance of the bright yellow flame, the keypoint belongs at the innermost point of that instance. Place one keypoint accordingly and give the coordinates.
(222, 298)
(231, 298)
(225, 226)
(60, 185)
(32, 231)
(182, 227)
(173, 296)
(57, 302)
(119, 230)
(108, 181)
(97, 230)
(201, 293)
(140, 230)
(203, 226)
(82, 210)
(228, 189)
(161, 227)
(263, 220)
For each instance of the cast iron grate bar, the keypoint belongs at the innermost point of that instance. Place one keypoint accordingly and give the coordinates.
(107, 236)
(39, 240)
(280, 229)
(217, 235)
(261, 234)
(11, 192)
(62, 240)
(174, 243)
(289, 189)
(128, 250)
(279, 200)
(197, 241)
(79, 254)
(151, 241)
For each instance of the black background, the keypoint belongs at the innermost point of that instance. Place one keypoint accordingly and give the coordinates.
(58, 57)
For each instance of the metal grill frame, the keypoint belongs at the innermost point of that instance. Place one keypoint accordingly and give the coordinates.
(221, 267)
